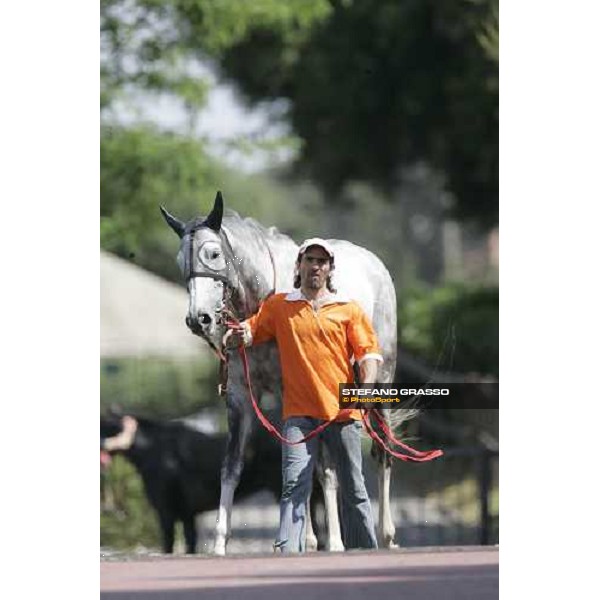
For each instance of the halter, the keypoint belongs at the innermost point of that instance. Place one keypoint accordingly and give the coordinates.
(226, 312)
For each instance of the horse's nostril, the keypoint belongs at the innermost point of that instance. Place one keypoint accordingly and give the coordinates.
(205, 319)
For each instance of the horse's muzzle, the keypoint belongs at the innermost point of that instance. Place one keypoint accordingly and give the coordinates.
(195, 327)
(203, 324)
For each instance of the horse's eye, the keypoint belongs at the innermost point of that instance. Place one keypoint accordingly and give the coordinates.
(211, 256)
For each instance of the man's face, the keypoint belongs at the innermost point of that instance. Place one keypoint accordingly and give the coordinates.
(315, 267)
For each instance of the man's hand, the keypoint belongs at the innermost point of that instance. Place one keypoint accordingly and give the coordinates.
(232, 338)
(236, 336)
(368, 374)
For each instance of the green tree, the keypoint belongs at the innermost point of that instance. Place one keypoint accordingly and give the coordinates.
(452, 327)
(149, 44)
(383, 83)
(373, 85)
(141, 168)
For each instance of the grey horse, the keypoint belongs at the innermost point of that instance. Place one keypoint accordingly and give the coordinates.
(229, 256)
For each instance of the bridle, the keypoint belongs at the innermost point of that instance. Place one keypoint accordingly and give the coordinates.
(233, 292)
(189, 269)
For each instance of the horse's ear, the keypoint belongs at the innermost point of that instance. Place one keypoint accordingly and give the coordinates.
(174, 223)
(216, 214)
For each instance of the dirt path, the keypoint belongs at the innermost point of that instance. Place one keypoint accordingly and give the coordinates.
(423, 574)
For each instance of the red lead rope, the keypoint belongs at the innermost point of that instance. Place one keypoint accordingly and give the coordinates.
(413, 454)
(234, 323)
(261, 417)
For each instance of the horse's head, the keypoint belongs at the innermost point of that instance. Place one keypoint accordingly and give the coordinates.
(206, 262)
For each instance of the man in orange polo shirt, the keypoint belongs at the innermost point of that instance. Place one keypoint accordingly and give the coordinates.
(317, 333)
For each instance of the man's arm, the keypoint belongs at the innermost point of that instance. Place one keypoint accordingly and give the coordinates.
(368, 374)
(363, 340)
(366, 349)
(368, 370)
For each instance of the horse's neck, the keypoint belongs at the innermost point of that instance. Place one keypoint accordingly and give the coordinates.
(252, 263)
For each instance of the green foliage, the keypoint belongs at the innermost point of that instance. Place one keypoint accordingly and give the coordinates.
(385, 83)
(159, 388)
(127, 519)
(373, 85)
(222, 24)
(454, 327)
(142, 48)
(142, 168)
(149, 43)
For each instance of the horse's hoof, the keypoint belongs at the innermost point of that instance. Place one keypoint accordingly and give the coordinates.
(219, 549)
(311, 544)
(336, 547)
(386, 539)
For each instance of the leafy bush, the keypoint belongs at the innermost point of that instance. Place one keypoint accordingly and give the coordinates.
(453, 327)
(127, 519)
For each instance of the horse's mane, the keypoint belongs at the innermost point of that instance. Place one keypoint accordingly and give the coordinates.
(248, 223)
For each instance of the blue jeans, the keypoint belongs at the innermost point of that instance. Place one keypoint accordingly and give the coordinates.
(343, 442)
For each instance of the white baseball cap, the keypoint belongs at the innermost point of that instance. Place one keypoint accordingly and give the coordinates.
(316, 242)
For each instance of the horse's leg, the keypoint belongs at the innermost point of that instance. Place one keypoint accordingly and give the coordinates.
(167, 527)
(329, 483)
(190, 534)
(229, 482)
(240, 424)
(317, 513)
(386, 529)
(311, 538)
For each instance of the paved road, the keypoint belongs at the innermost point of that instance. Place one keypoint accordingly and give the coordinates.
(424, 574)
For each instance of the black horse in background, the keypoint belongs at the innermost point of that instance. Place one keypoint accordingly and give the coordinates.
(181, 468)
